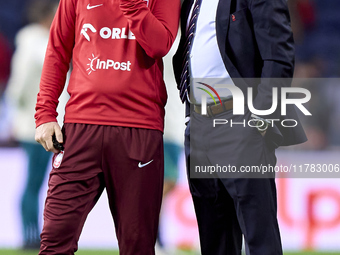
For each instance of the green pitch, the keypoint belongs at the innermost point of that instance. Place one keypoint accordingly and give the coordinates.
(102, 252)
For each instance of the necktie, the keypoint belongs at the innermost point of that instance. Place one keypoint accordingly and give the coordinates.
(184, 86)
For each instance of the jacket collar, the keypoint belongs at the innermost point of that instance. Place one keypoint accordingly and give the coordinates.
(222, 17)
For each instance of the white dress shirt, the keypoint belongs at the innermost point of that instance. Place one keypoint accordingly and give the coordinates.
(206, 64)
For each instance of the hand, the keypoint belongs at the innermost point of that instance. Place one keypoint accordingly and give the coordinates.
(44, 133)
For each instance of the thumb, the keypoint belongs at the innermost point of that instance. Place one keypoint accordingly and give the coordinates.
(58, 134)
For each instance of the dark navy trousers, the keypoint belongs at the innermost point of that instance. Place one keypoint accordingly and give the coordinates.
(230, 206)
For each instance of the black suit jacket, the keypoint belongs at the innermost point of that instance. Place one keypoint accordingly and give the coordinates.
(256, 44)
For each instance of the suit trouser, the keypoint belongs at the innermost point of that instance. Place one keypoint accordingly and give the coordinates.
(229, 205)
(128, 162)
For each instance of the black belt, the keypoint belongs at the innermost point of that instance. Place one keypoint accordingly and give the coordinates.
(213, 110)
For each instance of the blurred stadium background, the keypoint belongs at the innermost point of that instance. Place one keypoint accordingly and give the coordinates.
(308, 208)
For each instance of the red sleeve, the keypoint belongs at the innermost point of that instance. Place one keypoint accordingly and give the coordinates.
(155, 29)
(56, 64)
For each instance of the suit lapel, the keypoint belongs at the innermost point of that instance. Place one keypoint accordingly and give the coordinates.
(222, 27)
(222, 18)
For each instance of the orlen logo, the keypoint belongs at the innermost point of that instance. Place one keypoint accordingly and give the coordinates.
(107, 33)
(84, 30)
(98, 64)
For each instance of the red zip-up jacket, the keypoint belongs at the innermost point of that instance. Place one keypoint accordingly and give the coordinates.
(116, 47)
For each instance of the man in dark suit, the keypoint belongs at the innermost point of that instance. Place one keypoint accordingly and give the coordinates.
(249, 44)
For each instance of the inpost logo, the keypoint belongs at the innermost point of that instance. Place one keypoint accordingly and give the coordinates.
(98, 64)
(239, 103)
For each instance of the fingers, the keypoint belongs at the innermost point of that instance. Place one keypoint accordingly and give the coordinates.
(42, 142)
(58, 134)
(44, 133)
(49, 144)
(38, 137)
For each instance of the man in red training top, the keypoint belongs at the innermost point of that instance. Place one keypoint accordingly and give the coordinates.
(112, 134)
